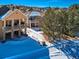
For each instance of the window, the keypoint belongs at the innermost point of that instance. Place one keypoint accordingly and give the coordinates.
(16, 22)
(22, 21)
(8, 23)
(32, 24)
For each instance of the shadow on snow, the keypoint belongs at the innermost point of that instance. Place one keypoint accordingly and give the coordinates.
(69, 47)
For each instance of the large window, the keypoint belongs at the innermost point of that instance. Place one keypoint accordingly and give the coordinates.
(16, 33)
(22, 22)
(8, 35)
(16, 22)
(8, 23)
(32, 24)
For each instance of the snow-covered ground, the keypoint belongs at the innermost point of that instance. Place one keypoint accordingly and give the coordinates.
(26, 48)
(29, 48)
(20, 46)
(37, 35)
(54, 53)
(67, 48)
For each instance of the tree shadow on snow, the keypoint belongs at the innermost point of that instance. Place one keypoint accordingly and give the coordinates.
(70, 48)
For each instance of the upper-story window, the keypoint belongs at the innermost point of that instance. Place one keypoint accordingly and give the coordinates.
(8, 23)
(22, 21)
(32, 17)
(16, 22)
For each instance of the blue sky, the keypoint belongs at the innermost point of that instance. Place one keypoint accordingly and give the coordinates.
(41, 3)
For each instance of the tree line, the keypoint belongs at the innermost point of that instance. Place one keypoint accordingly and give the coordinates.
(59, 23)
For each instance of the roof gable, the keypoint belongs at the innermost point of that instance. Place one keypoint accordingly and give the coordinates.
(3, 11)
(35, 13)
(10, 12)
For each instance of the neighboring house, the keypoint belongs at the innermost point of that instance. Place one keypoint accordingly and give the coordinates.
(33, 22)
(11, 24)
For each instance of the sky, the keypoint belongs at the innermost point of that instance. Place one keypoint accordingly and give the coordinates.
(41, 3)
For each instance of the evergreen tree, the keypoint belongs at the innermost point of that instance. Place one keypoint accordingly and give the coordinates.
(57, 23)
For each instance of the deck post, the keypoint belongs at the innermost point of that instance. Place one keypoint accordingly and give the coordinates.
(27, 20)
(12, 33)
(4, 36)
(35, 22)
(19, 28)
(4, 30)
(30, 23)
(25, 26)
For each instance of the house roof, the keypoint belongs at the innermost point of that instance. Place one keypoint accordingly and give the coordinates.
(35, 13)
(9, 12)
(3, 11)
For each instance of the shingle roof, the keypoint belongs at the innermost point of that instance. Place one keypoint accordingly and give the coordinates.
(3, 11)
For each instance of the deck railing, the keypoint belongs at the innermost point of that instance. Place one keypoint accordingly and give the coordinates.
(7, 28)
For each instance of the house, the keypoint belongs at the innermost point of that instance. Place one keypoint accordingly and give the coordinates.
(34, 18)
(11, 24)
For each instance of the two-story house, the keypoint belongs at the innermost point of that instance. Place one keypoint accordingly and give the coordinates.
(11, 24)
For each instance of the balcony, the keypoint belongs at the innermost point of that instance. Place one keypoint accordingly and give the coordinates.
(7, 28)
(16, 27)
(22, 26)
(19, 27)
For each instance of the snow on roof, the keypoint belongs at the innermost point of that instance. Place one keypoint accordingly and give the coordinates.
(35, 13)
